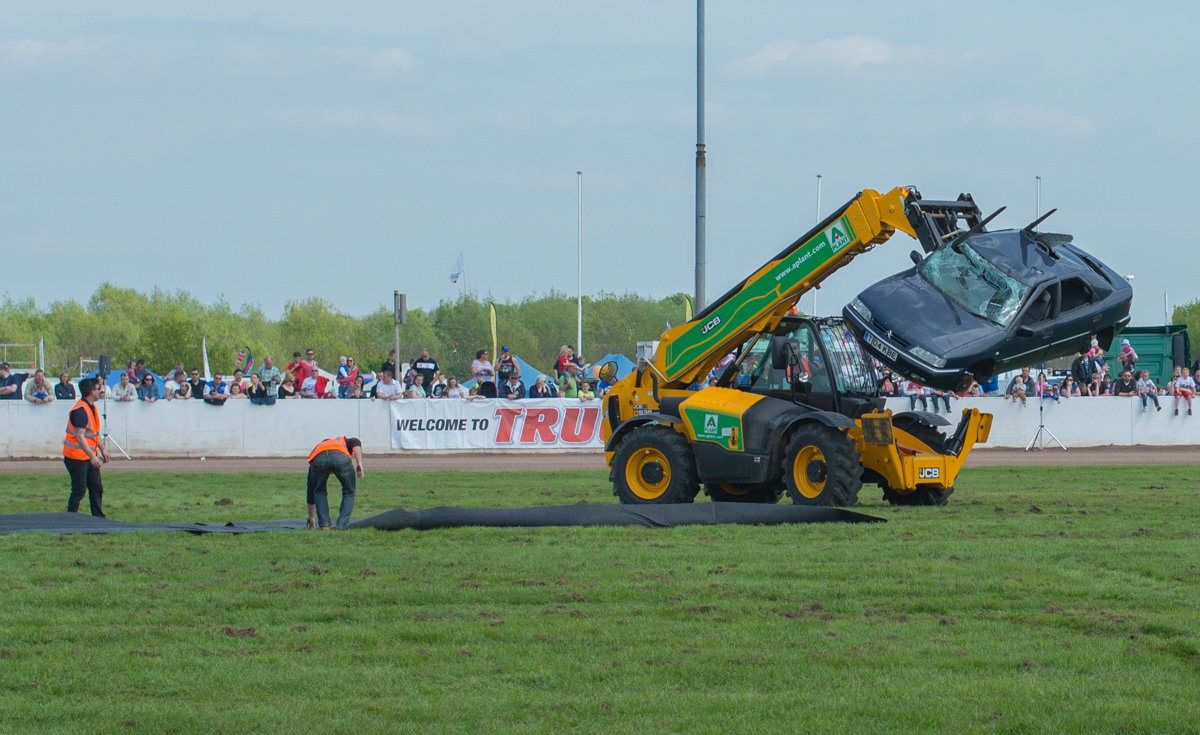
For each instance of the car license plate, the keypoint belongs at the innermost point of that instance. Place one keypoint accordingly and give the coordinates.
(887, 351)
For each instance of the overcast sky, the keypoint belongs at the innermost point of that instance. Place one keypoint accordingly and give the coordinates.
(264, 152)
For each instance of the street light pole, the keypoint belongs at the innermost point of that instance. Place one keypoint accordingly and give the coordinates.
(818, 221)
(579, 301)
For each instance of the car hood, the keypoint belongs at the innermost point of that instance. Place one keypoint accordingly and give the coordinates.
(917, 313)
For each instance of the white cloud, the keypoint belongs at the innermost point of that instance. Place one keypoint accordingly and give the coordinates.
(832, 54)
(392, 59)
(31, 51)
(1034, 117)
(382, 62)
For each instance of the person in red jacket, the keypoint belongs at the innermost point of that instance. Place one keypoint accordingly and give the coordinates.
(82, 452)
(342, 457)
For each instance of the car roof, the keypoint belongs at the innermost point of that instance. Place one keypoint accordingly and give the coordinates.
(1034, 257)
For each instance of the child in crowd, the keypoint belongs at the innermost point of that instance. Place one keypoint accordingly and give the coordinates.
(1018, 390)
(1147, 389)
(1044, 389)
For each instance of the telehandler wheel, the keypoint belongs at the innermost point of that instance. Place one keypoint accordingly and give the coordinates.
(821, 467)
(924, 494)
(654, 464)
(729, 492)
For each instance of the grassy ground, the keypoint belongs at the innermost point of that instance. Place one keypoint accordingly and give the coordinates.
(1039, 600)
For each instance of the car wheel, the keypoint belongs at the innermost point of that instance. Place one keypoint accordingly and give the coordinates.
(821, 467)
(730, 492)
(654, 464)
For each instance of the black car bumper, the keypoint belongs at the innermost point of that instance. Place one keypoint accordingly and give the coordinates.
(890, 353)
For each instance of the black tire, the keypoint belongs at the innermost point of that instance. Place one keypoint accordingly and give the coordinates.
(654, 464)
(821, 467)
(923, 494)
(729, 492)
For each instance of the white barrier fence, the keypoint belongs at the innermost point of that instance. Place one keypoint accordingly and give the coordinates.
(291, 428)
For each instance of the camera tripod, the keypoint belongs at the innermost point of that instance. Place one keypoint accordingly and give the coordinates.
(104, 435)
(1039, 437)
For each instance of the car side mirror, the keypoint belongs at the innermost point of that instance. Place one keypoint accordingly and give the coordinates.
(1024, 331)
(915, 257)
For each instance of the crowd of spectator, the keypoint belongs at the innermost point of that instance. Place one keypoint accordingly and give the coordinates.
(419, 379)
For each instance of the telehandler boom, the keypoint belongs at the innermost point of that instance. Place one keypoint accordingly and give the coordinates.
(796, 408)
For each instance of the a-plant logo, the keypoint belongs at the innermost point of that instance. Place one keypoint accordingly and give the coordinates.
(836, 234)
(710, 424)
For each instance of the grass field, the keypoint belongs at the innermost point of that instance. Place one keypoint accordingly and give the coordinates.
(1039, 600)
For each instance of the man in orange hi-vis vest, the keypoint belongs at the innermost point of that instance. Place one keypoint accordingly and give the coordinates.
(82, 453)
(342, 457)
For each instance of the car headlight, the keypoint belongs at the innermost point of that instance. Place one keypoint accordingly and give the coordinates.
(861, 309)
(924, 354)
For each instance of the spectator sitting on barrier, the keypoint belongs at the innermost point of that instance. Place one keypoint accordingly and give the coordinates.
(171, 384)
(37, 390)
(1185, 388)
(196, 385)
(1017, 389)
(216, 392)
(123, 390)
(258, 393)
(64, 390)
(270, 377)
(514, 389)
(308, 389)
(1068, 388)
(916, 392)
(147, 391)
(942, 394)
(417, 389)
(541, 388)
(388, 389)
(453, 389)
(1125, 385)
(1147, 390)
(287, 389)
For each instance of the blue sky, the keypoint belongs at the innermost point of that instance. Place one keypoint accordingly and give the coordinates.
(263, 152)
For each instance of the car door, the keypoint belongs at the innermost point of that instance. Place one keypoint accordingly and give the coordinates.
(1078, 317)
(1034, 333)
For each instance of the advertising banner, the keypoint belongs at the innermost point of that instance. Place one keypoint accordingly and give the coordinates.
(550, 423)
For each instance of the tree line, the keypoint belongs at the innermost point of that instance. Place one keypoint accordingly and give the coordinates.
(164, 328)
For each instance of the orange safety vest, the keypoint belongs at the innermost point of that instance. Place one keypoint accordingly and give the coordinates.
(337, 444)
(91, 435)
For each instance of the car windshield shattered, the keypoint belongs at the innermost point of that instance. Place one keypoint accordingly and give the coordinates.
(973, 283)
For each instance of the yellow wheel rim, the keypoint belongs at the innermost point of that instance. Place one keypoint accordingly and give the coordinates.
(809, 471)
(648, 473)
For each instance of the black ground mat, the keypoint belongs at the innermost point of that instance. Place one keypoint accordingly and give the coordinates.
(685, 514)
(682, 514)
(85, 523)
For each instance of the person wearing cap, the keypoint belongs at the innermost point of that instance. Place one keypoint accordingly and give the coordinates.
(506, 367)
(340, 456)
(425, 366)
(1127, 356)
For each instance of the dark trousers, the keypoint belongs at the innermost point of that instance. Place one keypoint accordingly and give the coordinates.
(84, 477)
(323, 465)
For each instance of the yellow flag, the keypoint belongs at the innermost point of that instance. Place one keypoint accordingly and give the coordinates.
(687, 309)
(492, 314)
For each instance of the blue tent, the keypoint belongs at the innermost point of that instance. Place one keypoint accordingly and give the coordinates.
(625, 366)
